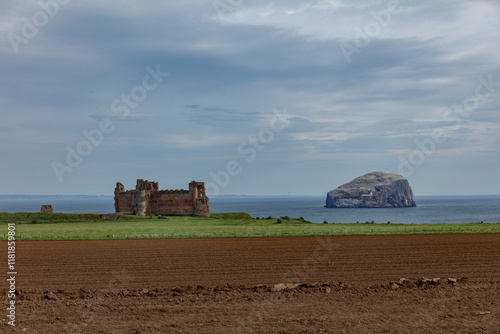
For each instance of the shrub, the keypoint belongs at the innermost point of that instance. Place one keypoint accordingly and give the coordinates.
(325, 222)
(231, 215)
(278, 221)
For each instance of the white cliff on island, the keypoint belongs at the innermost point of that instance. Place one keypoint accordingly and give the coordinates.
(372, 190)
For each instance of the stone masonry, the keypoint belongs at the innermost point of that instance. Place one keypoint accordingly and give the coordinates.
(46, 208)
(147, 200)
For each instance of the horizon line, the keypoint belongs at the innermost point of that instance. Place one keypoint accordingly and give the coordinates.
(249, 195)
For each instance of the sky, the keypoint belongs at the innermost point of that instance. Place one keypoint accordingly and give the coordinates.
(251, 97)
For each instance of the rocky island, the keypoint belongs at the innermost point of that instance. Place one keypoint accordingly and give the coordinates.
(372, 190)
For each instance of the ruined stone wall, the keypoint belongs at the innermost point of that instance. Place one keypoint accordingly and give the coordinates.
(118, 191)
(146, 185)
(140, 202)
(171, 203)
(123, 203)
(46, 208)
(146, 199)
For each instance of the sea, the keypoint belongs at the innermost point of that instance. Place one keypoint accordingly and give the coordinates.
(429, 209)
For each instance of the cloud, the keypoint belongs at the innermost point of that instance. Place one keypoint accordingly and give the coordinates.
(192, 106)
(221, 117)
(333, 20)
(197, 107)
(129, 118)
(189, 141)
(230, 69)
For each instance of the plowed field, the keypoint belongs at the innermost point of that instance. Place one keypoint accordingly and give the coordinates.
(346, 284)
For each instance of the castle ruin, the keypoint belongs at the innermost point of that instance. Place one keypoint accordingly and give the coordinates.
(46, 208)
(147, 199)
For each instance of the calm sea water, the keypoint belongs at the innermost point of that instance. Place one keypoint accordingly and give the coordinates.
(429, 210)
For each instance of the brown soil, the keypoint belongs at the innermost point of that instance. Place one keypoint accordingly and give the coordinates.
(344, 284)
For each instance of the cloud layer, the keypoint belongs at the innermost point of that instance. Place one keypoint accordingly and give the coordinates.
(408, 67)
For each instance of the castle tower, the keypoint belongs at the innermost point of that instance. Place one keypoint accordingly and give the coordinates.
(201, 203)
(139, 202)
(119, 189)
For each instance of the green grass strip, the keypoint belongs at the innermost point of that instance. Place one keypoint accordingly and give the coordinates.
(56, 226)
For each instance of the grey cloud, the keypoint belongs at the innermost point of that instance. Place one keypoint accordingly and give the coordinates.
(129, 118)
(394, 91)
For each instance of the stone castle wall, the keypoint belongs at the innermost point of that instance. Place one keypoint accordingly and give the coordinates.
(46, 208)
(147, 199)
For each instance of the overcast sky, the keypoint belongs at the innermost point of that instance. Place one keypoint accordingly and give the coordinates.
(251, 97)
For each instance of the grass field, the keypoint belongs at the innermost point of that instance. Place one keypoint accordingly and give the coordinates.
(55, 226)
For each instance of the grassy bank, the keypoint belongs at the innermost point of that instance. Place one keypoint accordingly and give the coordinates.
(55, 226)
